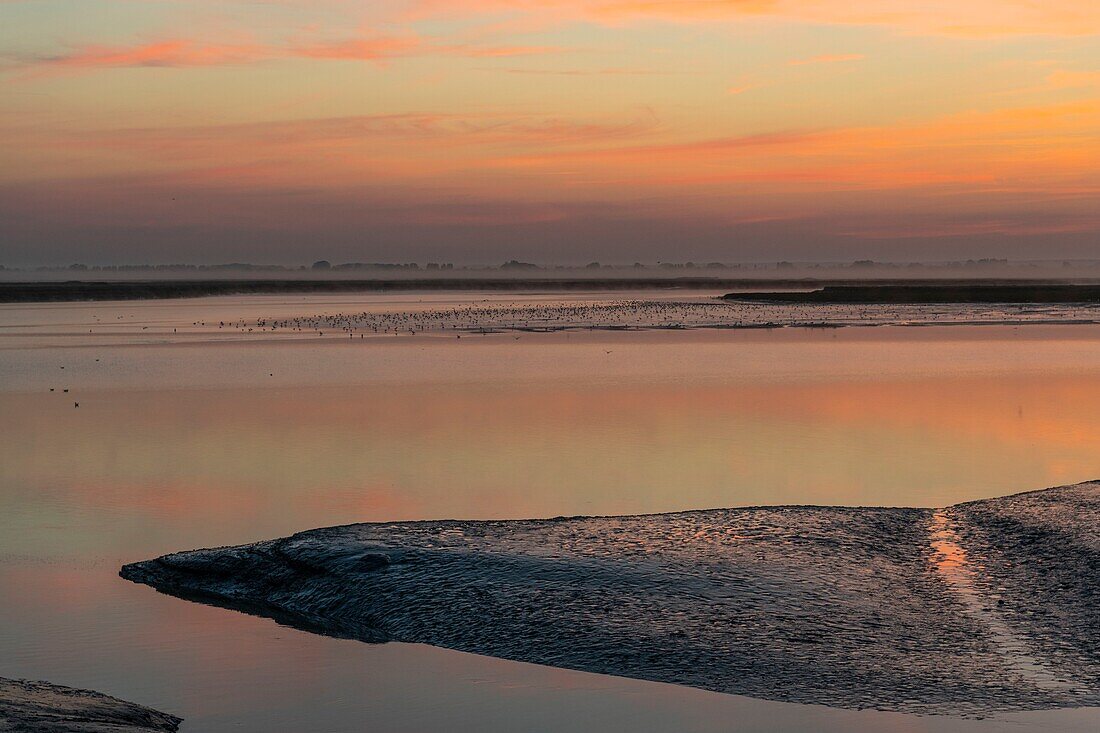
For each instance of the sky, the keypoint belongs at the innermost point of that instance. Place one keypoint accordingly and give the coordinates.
(556, 131)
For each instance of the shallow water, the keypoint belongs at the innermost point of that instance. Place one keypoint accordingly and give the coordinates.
(185, 441)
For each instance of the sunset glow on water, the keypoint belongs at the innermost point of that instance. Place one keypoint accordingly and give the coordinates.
(193, 444)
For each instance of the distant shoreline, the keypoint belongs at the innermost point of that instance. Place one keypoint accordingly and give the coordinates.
(772, 290)
(931, 293)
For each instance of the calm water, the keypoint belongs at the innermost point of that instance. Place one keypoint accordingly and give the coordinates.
(192, 438)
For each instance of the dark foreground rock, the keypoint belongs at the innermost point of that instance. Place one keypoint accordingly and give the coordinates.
(985, 606)
(38, 707)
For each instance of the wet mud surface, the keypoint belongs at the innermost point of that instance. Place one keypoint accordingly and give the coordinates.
(38, 707)
(981, 607)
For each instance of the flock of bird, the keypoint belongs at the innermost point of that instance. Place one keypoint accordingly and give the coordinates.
(548, 316)
(638, 314)
(65, 390)
(508, 316)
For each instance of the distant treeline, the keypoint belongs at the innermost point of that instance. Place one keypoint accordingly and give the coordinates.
(513, 266)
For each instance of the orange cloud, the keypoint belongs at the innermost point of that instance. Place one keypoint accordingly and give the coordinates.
(1065, 79)
(977, 18)
(829, 58)
(1050, 150)
(361, 49)
(606, 71)
(495, 51)
(418, 128)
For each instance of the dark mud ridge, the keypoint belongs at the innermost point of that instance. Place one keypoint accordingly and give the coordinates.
(34, 707)
(986, 606)
(85, 290)
(935, 293)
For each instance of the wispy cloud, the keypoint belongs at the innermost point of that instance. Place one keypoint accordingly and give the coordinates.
(189, 53)
(619, 71)
(973, 19)
(1070, 79)
(1047, 147)
(167, 53)
(828, 58)
(443, 141)
(475, 51)
(357, 49)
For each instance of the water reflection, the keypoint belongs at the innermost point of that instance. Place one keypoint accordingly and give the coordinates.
(959, 571)
(234, 465)
(179, 447)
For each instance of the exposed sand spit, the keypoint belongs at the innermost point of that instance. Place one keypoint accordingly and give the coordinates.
(975, 608)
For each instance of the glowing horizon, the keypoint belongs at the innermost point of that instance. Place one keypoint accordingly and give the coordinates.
(476, 130)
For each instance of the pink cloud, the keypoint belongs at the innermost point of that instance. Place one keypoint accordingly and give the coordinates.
(171, 53)
(185, 53)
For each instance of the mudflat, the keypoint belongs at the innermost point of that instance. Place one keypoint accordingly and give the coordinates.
(979, 607)
(33, 707)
